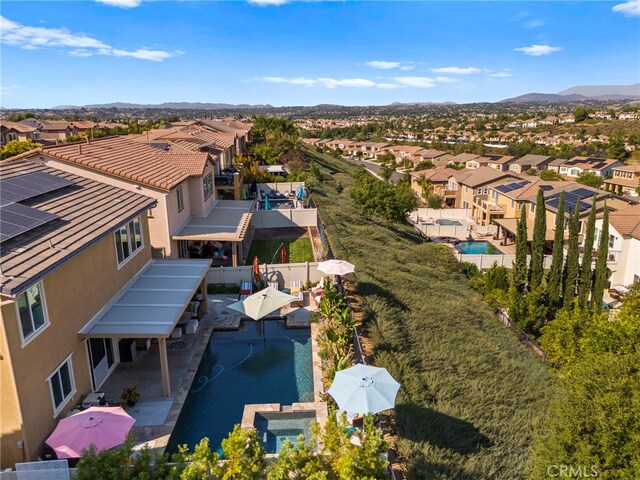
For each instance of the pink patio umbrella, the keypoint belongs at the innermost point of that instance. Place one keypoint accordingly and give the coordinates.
(104, 427)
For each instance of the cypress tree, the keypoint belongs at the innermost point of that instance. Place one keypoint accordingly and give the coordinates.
(518, 307)
(586, 272)
(554, 285)
(572, 267)
(537, 246)
(600, 276)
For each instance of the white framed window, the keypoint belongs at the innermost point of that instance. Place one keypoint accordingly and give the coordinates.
(62, 385)
(478, 191)
(180, 198)
(532, 208)
(36, 135)
(32, 312)
(513, 203)
(596, 236)
(207, 186)
(494, 195)
(612, 241)
(128, 240)
(485, 190)
(466, 189)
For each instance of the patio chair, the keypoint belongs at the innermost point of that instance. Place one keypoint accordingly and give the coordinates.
(273, 284)
(296, 291)
(246, 289)
(46, 470)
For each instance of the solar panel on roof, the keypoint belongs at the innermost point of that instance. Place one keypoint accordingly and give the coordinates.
(599, 165)
(23, 187)
(546, 188)
(16, 219)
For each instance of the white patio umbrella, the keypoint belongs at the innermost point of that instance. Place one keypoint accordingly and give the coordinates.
(364, 389)
(262, 303)
(336, 267)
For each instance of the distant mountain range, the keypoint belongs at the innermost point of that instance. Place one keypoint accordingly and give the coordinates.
(167, 105)
(581, 94)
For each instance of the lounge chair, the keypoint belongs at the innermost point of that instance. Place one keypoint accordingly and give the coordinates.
(273, 284)
(296, 291)
(246, 289)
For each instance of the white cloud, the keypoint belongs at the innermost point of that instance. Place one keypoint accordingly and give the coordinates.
(324, 81)
(407, 67)
(534, 24)
(503, 74)
(267, 3)
(538, 50)
(389, 86)
(457, 70)
(446, 80)
(78, 44)
(630, 8)
(383, 65)
(418, 82)
(121, 3)
(347, 82)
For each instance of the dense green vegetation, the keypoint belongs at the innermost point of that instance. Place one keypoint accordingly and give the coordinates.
(472, 397)
(16, 147)
(298, 250)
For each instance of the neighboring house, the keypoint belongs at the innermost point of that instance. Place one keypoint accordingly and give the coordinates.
(555, 164)
(628, 116)
(84, 127)
(437, 157)
(602, 167)
(528, 162)
(463, 158)
(11, 131)
(472, 187)
(60, 334)
(52, 130)
(438, 178)
(624, 244)
(625, 180)
(497, 162)
(183, 184)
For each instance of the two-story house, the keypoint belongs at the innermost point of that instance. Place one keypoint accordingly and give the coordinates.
(183, 185)
(436, 180)
(11, 131)
(624, 180)
(528, 162)
(603, 167)
(77, 276)
(624, 244)
(51, 130)
(472, 187)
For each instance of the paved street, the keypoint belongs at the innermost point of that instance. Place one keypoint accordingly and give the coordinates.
(374, 168)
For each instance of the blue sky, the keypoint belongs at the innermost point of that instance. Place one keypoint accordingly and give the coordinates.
(306, 53)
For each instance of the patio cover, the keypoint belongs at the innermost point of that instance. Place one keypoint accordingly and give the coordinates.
(228, 221)
(511, 226)
(152, 303)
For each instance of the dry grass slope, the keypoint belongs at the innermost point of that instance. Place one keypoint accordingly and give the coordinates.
(472, 396)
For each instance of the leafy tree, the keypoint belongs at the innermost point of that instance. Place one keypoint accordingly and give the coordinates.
(386, 171)
(434, 201)
(554, 283)
(600, 275)
(423, 165)
(580, 113)
(590, 179)
(497, 278)
(572, 266)
(537, 245)
(519, 274)
(616, 148)
(16, 147)
(299, 461)
(586, 272)
(550, 176)
(387, 158)
(244, 456)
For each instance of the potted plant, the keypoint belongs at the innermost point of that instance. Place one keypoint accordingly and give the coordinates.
(130, 395)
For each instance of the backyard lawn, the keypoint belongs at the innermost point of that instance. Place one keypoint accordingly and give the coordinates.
(298, 250)
(472, 397)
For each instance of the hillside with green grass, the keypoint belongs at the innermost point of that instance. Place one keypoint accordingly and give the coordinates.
(472, 398)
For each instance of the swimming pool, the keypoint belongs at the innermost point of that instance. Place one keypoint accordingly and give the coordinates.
(275, 428)
(476, 247)
(247, 366)
(448, 222)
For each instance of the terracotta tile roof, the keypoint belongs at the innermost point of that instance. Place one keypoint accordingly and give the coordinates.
(464, 157)
(84, 124)
(19, 127)
(481, 176)
(126, 158)
(628, 168)
(431, 153)
(88, 211)
(47, 124)
(627, 221)
(532, 159)
(436, 174)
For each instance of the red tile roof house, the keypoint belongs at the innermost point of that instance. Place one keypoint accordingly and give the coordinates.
(528, 162)
(54, 129)
(602, 167)
(11, 131)
(182, 184)
(439, 178)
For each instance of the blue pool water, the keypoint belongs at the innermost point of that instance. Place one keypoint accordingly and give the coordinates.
(473, 247)
(263, 362)
(275, 428)
(448, 222)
